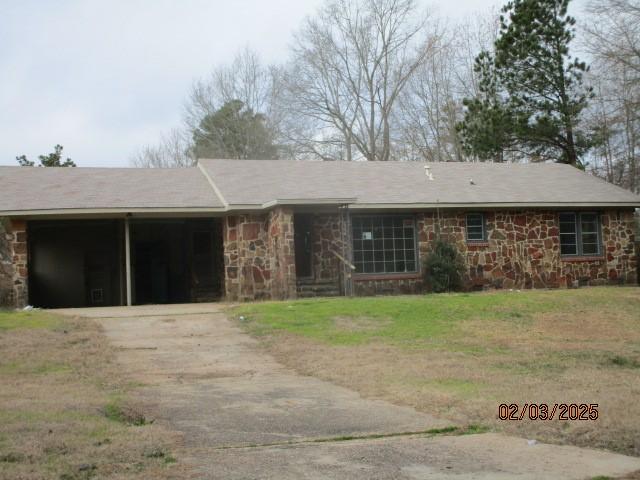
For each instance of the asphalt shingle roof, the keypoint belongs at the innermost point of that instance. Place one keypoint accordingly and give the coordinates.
(262, 181)
(219, 185)
(36, 188)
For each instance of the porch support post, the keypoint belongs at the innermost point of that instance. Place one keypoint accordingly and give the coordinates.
(127, 259)
(347, 250)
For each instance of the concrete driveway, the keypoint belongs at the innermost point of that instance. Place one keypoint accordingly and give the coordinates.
(244, 416)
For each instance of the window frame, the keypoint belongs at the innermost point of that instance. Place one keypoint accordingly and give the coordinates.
(416, 249)
(483, 219)
(577, 221)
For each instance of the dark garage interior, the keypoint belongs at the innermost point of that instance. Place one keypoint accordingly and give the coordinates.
(76, 263)
(176, 261)
(81, 263)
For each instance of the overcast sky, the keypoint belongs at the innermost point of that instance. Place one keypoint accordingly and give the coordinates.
(105, 78)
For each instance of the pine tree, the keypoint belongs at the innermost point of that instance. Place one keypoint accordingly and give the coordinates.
(54, 159)
(531, 91)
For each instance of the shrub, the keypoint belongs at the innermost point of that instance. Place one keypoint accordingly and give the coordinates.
(444, 268)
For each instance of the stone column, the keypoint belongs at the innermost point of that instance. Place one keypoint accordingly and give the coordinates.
(247, 266)
(13, 263)
(282, 253)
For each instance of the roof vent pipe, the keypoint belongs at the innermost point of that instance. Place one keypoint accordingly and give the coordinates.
(427, 172)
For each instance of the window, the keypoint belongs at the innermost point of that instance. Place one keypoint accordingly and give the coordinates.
(579, 234)
(384, 244)
(476, 229)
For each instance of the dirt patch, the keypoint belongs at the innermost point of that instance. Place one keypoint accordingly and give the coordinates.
(65, 407)
(360, 324)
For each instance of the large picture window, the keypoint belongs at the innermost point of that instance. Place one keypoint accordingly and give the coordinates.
(580, 234)
(384, 244)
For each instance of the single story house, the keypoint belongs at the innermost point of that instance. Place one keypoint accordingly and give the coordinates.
(247, 230)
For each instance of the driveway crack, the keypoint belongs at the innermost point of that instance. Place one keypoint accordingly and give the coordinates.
(432, 432)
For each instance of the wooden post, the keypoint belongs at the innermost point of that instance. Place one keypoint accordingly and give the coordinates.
(127, 261)
(345, 234)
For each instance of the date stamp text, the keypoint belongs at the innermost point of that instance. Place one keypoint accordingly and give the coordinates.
(544, 411)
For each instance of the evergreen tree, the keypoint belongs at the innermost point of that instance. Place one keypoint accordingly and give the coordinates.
(531, 92)
(53, 159)
(234, 131)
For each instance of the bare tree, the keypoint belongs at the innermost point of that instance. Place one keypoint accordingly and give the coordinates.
(350, 63)
(430, 107)
(173, 150)
(246, 79)
(612, 37)
(613, 33)
(431, 104)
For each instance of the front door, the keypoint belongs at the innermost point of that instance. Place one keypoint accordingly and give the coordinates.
(302, 238)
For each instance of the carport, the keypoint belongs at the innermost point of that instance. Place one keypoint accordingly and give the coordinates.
(109, 262)
(85, 237)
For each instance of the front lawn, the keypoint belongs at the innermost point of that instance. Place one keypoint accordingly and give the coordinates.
(64, 407)
(459, 356)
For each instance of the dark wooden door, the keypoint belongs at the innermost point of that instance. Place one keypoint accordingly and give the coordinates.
(302, 238)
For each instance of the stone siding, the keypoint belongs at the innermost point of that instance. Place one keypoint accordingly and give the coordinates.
(259, 256)
(13, 263)
(6, 265)
(522, 251)
(282, 254)
(325, 239)
(388, 286)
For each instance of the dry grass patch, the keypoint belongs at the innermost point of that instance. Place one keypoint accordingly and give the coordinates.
(64, 408)
(579, 346)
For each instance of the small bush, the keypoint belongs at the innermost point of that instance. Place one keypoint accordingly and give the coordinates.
(124, 414)
(444, 268)
(621, 361)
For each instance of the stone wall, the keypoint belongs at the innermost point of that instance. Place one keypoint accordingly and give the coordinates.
(325, 239)
(282, 253)
(259, 256)
(401, 285)
(13, 263)
(246, 263)
(522, 251)
(6, 265)
(619, 263)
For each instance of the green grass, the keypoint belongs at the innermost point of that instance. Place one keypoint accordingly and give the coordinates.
(114, 410)
(621, 361)
(10, 320)
(413, 320)
(24, 368)
(458, 356)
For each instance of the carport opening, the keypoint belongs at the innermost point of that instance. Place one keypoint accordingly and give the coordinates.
(76, 263)
(81, 263)
(176, 261)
